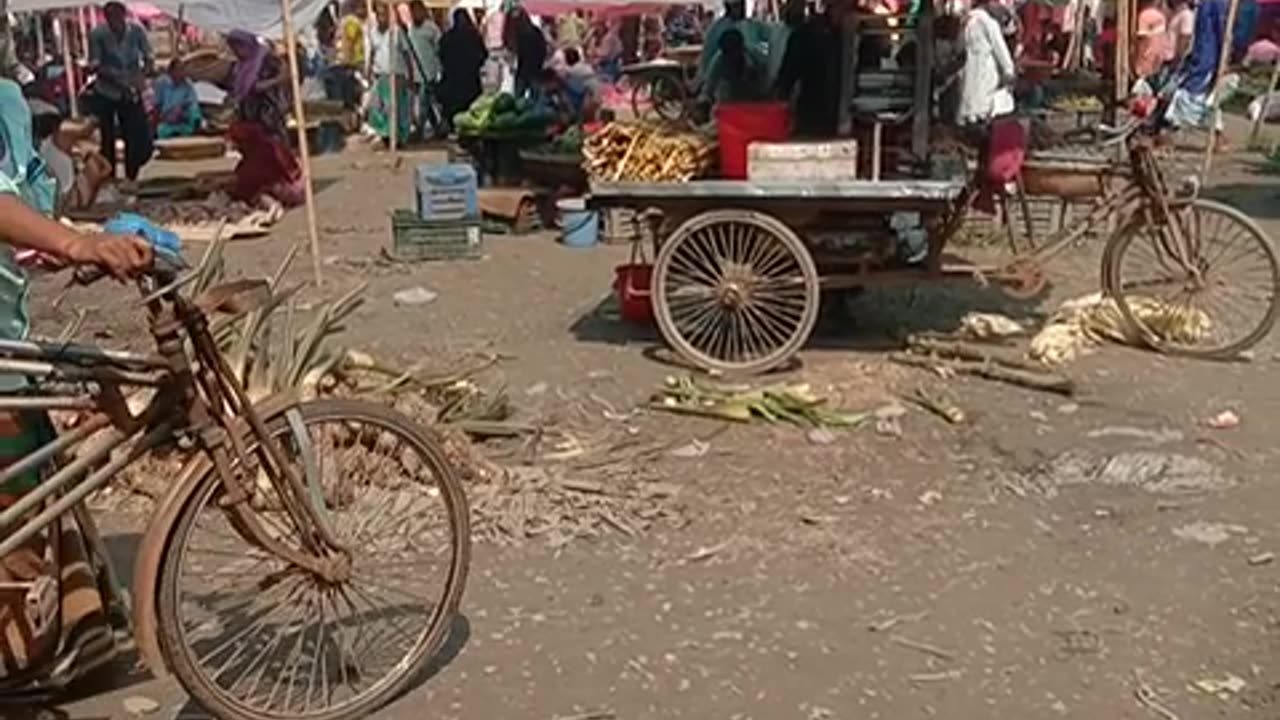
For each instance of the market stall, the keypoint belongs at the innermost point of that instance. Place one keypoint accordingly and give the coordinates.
(268, 18)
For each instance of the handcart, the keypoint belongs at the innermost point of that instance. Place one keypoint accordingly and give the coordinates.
(740, 266)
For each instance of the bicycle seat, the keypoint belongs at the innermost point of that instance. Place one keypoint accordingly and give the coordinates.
(235, 297)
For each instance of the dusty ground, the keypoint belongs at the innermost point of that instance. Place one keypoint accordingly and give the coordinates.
(874, 577)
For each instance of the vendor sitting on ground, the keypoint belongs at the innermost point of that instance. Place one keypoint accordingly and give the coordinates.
(266, 166)
(177, 109)
(78, 188)
(737, 74)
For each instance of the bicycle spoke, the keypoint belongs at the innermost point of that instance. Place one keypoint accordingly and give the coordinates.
(302, 644)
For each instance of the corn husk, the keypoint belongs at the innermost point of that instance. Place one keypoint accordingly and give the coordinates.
(1084, 322)
(795, 404)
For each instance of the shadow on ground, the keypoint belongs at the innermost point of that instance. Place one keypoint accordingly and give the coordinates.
(875, 319)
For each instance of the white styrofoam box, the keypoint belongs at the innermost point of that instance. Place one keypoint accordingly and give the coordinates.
(827, 160)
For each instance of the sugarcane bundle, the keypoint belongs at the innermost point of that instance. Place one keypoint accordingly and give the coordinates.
(646, 152)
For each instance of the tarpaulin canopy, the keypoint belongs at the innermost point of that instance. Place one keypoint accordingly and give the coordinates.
(256, 16)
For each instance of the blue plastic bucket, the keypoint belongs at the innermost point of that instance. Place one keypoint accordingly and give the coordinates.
(579, 227)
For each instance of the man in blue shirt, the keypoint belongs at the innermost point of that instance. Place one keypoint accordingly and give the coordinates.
(121, 56)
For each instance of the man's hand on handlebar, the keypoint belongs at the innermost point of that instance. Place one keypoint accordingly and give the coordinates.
(121, 256)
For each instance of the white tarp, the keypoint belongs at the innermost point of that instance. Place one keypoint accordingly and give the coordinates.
(256, 16)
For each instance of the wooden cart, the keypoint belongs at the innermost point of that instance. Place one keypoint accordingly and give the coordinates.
(739, 266)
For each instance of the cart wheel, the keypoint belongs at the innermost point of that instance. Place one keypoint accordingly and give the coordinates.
(668, 98)
(1221, 301)
(641, 93)
(735, 291)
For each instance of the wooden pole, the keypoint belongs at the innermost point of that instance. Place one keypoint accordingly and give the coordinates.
(394, 53)
(1223, 60)
(369, 23)
(1124, 33)
(84, 17)
(179, 30)
(69, 63)
(40, 48)
(1266, 104)
(300, 116)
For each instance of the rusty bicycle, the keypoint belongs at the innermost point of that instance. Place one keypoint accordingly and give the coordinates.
(306, 562)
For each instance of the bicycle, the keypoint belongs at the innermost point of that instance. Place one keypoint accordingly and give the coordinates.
(272, 495)
(1171, 257)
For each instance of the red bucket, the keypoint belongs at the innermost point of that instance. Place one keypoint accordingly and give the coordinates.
(741, 124)
(632, 282)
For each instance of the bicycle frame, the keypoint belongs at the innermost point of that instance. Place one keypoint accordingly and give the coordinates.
(1143, 189)
(202, 401)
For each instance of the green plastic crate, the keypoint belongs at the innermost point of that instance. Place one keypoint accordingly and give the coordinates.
(415, 239)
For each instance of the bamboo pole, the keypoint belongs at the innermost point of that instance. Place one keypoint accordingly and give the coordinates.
(179, 30)
(41, 51)
(63, 31)
(299, 111)
(1223, 60)
(84, 18)
(1124, 34)
(395, 59)
(1266, 104)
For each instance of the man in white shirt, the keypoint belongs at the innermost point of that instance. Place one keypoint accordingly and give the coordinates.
(986, 83)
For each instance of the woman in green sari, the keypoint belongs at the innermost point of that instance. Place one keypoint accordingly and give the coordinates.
(387, 61)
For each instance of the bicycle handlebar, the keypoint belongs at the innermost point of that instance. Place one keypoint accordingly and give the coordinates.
(165, 268)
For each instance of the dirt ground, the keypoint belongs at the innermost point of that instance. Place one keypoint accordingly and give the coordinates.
(929, 575)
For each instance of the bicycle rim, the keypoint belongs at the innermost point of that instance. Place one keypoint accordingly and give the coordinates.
(1212, 291)
(249, 636)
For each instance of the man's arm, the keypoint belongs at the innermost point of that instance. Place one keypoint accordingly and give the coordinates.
(23, 227)
(144, 47)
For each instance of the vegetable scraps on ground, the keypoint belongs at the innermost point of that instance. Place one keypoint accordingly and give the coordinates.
(781, 403)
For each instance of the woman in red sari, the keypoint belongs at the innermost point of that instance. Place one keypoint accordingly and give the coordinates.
(266, 167)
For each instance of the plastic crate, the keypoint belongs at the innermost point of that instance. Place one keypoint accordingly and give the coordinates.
(415, 239)
(446, 192)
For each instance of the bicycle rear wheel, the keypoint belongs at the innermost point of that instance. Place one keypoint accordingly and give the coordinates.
(251, 636)
(1213, 295)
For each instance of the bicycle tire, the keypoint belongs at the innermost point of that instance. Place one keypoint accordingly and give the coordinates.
(217, 701)
(1122, 241)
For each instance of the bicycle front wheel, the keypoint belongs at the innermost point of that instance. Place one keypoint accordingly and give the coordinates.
(1208, 291)
(251, 636)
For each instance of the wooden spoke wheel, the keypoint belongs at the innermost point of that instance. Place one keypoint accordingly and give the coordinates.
(1210, 290)
(661, 94)
(735, 291)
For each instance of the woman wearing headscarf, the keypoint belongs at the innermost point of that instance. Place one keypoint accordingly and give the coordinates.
(527, 42)
(462, 54)
(257, 84)
(738, 74)
(266, 167)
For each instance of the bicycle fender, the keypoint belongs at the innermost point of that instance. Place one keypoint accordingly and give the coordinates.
(146, 572)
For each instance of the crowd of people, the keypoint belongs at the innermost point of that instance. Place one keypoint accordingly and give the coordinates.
(437, 65)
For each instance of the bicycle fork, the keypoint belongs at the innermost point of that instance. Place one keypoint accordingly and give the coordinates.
(217, 415)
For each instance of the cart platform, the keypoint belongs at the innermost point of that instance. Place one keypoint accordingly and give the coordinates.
(883, 195)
